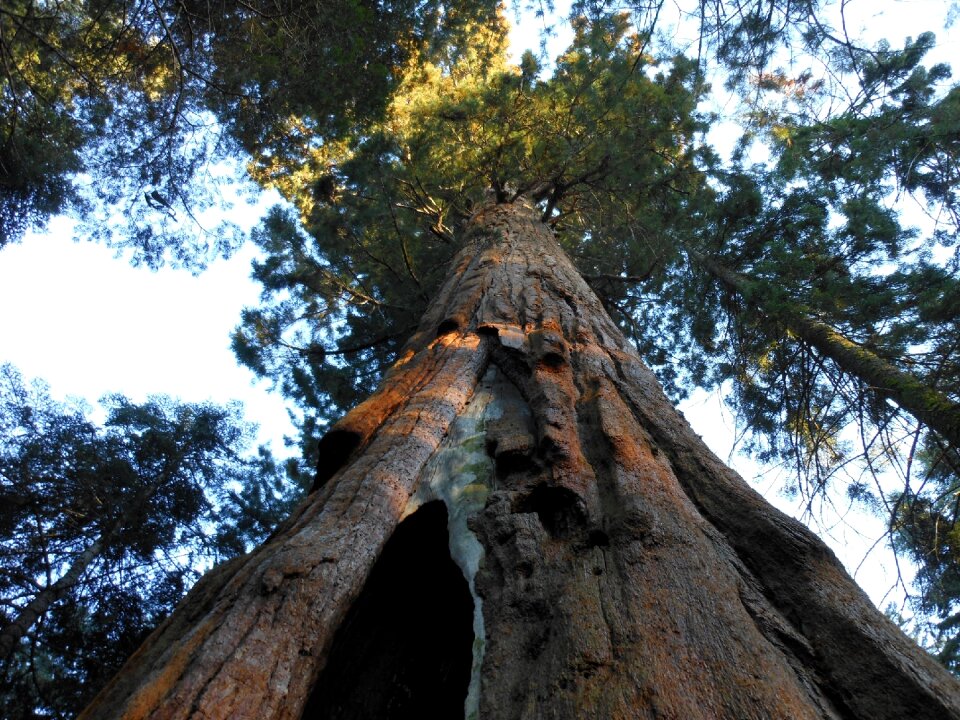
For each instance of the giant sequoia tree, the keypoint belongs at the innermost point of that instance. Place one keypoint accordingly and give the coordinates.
(517, 523)
(609, 564)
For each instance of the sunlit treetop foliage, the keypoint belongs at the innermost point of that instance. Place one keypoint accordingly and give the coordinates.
(606, 143)
(129, 114)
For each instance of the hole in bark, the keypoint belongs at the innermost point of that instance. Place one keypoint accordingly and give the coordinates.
(509, 463)
(406, 645)
(448, 326)
(488, 330)
(598, 538)
(558, 509)
(334, 449)
(553, 359)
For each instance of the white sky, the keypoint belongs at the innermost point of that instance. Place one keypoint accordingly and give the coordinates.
(89, 324)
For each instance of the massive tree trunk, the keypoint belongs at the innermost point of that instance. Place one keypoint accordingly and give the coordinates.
(926, 404)
(518, 524)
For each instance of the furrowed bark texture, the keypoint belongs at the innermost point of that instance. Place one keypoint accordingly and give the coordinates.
(626, 572)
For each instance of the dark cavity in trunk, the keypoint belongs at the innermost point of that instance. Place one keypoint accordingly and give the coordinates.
(405, 648)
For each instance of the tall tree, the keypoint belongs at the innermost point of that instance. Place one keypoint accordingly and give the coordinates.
(611, 565)
(608, 564)
(103, 528)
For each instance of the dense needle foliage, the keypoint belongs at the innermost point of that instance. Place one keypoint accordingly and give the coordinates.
(103, 527)
(130, 113)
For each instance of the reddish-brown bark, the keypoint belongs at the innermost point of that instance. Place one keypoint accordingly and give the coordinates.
(627, 573)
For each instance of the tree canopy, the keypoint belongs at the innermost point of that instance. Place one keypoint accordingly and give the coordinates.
(103, 528)
(127, 113)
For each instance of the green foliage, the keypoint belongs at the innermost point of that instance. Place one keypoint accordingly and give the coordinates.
(298, 335)
(925, 528)
(138, 505)
(129, 113)
(898, 133)
(287, 72)
(746, 38)
(100, 114)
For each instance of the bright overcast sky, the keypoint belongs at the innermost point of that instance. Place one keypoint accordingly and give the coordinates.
(89, 324)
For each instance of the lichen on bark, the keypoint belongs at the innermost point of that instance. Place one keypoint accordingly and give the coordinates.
(461, 475)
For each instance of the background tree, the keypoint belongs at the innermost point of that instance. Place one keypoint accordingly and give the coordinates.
(104, 528)
(101, 115)
(831, 247)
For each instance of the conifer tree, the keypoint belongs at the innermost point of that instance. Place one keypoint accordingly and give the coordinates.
(104, 527)
(601, 561)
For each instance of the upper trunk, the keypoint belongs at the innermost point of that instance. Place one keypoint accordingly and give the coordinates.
(616, 567)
